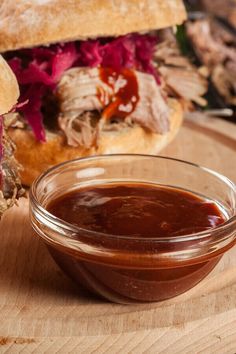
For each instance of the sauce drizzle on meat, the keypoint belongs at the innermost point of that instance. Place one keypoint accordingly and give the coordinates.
(124, 84)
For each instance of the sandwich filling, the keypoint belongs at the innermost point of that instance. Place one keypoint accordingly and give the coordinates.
(85, 87)
(10, 184)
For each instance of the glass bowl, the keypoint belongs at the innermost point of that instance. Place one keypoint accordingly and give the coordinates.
(128, 269)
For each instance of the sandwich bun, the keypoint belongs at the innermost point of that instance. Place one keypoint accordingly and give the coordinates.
(38, 157)
(32, 23)
(8, 86)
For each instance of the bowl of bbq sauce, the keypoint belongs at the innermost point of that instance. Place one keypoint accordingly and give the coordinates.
(134, 228)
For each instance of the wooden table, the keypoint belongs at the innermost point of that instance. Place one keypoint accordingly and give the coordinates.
(42, 311)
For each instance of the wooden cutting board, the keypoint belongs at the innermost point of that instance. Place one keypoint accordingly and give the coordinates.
(41, 311)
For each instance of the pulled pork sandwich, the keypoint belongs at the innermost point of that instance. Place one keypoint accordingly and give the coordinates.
(10, 186)
(99, 76)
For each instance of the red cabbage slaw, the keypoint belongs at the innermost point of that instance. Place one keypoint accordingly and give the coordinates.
(39, 69)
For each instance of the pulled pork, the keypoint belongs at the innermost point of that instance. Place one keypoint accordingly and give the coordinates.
(186, 84)
(77, 94)
(79, 128)
(224, 78)
(11, 188)
(181, 78)
(151, 111)
(216, 48)
(222, 8)
(78, 99)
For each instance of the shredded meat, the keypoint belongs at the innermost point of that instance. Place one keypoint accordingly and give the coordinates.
(168, 53)
(187, 84)
(181, 78)
(77, 95)
(11, 188)
(209, 44)
(79, 129)
(224, 78)
(222, 8)
(216, 48)
(151, 111)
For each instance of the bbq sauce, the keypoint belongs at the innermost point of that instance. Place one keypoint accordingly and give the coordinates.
(137, 210)
(125, 87)
(135, 268)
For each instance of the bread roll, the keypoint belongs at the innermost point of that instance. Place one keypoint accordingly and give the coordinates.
(8, 87)
(25, 23)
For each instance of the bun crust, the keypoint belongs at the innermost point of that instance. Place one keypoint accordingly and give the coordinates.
(26, 23)
(8, 86)
(36, 157)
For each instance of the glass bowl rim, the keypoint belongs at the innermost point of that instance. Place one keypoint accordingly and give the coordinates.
(76, 229)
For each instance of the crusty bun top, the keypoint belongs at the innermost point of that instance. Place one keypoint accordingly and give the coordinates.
(9, 90)
(27, 23)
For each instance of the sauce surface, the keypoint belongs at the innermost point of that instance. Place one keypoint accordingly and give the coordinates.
(125, 86)
(141, 210)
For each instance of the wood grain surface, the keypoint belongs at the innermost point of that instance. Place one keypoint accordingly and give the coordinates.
(42, 311)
